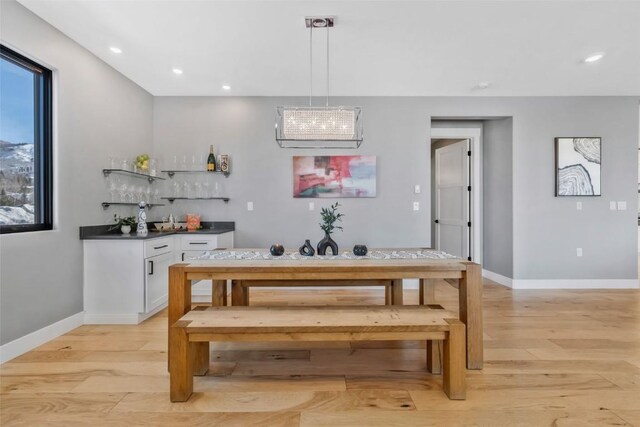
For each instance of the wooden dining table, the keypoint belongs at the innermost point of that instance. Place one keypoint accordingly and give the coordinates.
(317, 271)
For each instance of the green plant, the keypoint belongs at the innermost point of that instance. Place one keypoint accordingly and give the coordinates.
(120, 221)
(329, 217)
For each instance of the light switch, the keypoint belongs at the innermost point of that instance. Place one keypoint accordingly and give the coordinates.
(579, 251)
(416, 206)
(622, 206)
(579, 206)
(613, 206)
(249, 206)
(312, 206)
(416, 189)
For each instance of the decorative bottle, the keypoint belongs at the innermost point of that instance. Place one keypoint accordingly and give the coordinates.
(142, 220)
(211, 160)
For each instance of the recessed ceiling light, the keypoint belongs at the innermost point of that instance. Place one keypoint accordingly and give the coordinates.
(594, 57)
(226, 87)
(115, 49)
(177, 71)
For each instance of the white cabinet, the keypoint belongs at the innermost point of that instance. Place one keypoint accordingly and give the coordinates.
(196, 245)
(191, 246)
(115, 280)
(127, 280)
(156, 278)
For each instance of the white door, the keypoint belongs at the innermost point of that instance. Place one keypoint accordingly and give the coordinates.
(452, 199)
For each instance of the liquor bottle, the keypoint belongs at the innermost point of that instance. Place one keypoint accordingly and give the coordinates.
(211, 160)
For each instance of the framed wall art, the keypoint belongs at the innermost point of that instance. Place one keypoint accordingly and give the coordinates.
(334, 176)
(577, 166)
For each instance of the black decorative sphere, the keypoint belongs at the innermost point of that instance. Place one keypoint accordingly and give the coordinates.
(360, 250)
(277, 249)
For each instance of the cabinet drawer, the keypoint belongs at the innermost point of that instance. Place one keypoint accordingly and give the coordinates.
(186, 256)
(199, 242)
(159, 246)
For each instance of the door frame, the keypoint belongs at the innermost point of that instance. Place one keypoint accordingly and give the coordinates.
(474, 134)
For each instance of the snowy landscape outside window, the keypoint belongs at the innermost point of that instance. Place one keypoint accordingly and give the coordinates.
(25, 144)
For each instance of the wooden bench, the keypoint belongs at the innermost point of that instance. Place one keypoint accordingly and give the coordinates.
(240, 288)
(189, 353)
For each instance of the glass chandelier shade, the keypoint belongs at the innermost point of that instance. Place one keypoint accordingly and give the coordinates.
(319, 127)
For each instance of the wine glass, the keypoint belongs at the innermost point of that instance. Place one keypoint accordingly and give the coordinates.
(131, 193)
(153, 167)
(113, 190)
(123, 193)
(198, 189)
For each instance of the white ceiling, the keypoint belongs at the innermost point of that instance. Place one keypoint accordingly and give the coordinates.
(377, 47)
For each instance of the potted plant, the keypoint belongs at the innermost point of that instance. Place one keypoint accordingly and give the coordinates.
(329, 217)
(123, 223)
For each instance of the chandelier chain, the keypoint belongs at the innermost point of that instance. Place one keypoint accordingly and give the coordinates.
(310, 63)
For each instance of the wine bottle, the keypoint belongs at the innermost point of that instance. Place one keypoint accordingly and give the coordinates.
(211, 160)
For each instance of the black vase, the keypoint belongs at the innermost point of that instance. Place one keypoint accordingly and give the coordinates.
(307, 249)
(360, 250)
(325, 243)
(276, 250)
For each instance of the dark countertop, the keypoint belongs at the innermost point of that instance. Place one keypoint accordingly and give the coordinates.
(101, 232)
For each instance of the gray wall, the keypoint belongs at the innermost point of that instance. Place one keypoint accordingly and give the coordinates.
(98, 113)
(546, 229)
(396, 132)
(497, 191)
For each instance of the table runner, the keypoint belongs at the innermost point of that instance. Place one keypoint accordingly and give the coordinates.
(345, 255)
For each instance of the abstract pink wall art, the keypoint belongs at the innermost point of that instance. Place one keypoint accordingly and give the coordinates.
(334, 176)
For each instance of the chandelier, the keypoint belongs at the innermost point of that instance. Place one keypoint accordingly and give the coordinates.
(318, 127)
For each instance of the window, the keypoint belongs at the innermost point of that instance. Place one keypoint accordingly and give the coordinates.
(25, 144)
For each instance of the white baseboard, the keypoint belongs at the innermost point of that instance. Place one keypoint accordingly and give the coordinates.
(498, 278)
(35, 339)
(121, 319)
(110, 319)
(576, 284)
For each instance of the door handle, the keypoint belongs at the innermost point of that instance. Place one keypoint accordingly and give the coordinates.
(437, 221)
(160, 247)
(182, 256)
(150, 268)
(197, 243)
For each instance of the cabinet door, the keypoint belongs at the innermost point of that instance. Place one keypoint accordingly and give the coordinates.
(156, 283)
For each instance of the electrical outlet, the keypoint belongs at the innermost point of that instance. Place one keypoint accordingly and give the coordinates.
(579, 206)
(416, 206)
(249, 206)
(622, 206)
(579, 251)
(416, 189)
(312, 206)
(613, 206)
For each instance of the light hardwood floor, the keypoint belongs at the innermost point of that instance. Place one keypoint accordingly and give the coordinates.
(552, 358)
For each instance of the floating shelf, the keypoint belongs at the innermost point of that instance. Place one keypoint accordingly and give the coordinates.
(150, 178)
(173, 172)
(171, 199)
(105, 205)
